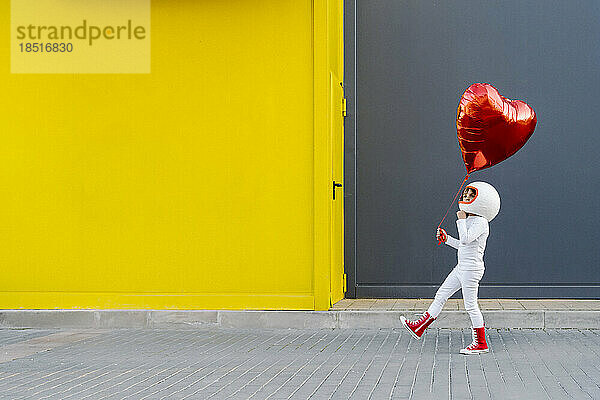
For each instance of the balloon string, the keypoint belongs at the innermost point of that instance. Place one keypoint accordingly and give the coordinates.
(450, 206)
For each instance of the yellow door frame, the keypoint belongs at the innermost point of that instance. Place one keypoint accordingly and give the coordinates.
(322, 150)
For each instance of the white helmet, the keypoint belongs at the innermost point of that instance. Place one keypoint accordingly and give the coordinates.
(486, 202)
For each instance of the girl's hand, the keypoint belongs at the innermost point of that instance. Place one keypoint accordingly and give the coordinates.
(441, 235)
(461, 214)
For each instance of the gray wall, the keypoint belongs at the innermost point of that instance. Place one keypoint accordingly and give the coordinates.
(407, 64)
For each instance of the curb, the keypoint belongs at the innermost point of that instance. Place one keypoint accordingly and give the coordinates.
(342, 319)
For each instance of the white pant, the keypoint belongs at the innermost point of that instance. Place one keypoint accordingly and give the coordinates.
(457, 279)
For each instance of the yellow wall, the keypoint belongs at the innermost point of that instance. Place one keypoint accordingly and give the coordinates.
(190, 187)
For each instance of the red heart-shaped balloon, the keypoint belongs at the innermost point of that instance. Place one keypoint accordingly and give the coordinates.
(490, 127)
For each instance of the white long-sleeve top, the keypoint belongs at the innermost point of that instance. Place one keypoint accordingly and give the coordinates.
(473, 232)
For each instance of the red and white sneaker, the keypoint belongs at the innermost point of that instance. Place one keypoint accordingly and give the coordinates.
(479, 345)
(417, 328)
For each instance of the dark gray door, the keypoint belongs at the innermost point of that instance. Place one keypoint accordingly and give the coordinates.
(407, 64)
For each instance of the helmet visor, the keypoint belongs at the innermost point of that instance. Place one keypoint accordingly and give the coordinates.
(469, 195)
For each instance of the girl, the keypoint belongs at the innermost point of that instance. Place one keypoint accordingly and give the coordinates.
(479, 204)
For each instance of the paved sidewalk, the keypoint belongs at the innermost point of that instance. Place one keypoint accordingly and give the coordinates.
(457, 304)
(297, 364)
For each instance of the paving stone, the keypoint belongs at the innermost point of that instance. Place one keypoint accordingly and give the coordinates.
(182, 319)
(369, 319)
(277, 319)
(572, 319)
(511, 304)
(489, 304)
(405, 304)
(514, 319)
(383, 304)
(422, 304)
(217, 363)
(47, 319)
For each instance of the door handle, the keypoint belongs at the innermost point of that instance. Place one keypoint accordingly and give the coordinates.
(335, 185)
